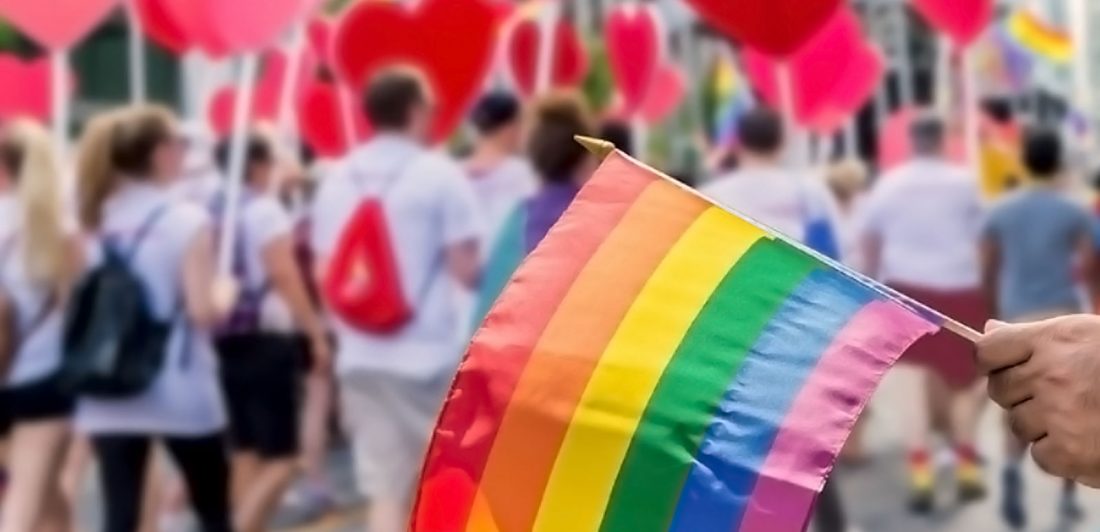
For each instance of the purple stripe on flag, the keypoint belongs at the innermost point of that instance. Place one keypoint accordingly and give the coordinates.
(824, 413)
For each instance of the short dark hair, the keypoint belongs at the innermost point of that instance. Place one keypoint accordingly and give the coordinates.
(927, 134)
(257, 150)
(761, 130)
(1042, 153)
(619, 133)
(391, 96)
(554, 154)
(494, 111)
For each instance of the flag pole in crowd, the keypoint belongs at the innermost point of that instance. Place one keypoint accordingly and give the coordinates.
(136, 46)
(246, 84)
(286, 121)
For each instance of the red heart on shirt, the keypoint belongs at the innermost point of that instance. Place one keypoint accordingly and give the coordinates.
(29, 97)
(321, 120)
(523, 46)
(56, 24)
(634, 52)
(775, 27)
(450, 41)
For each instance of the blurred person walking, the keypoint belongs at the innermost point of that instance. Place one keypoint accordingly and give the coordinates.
(922, 228)
(259, 346)
(562, 166)
(392, 227)
(129, 160)
(797, 206)
(500, 176)
(1034, 243)
(40, 259)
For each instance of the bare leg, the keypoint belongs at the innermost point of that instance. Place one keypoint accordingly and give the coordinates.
(77, 459)
(916, 410)
(37, 451)
(269, 482)
(245, 466)
(387, 515)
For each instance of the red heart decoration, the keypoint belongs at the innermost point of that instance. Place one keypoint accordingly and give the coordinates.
(375, 35)
(29, 97)
(634, 52)
(853, 90)
(194, 20)
(962, 20)
(158, 24)
(775, 27)
(321, 120)
(570, 56)
(56, 24)
(815, 70)
(319, 32)
(265, 97)
(669, 89)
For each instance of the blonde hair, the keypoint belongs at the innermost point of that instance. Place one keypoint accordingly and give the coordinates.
(848, 176)
(116, 145)
(28, 153)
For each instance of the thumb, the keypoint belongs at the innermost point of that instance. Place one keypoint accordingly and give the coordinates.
(993, 325)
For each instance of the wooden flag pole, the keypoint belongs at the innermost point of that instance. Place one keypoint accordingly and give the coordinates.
(136, 45)
(242, 110)
(59, 82)
(603, 149)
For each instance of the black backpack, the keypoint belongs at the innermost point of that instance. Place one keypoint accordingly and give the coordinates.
(114, 344)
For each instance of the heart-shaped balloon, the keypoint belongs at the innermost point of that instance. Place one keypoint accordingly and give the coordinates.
(265, 96)
(856, 86)
(161, 27)
(195, 21)
(252, 25)
(30, 97)
(815, 70)
(56, 24)
(321, 120)
(376, 35)
(962, 20)
(669, 89)
(776, 27)
(634, 52)
(319, 31)
(570, 59)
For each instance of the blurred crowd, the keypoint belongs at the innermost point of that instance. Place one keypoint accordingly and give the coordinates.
(265, 369)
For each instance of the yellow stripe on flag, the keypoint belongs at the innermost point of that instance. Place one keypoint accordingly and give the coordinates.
(631, 366)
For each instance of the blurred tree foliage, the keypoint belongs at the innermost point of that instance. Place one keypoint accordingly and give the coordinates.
(598, 86)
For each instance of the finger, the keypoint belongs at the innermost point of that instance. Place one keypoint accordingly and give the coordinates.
(1052, 460)
(1027, 422)
(1012, 386)
(1005, 346)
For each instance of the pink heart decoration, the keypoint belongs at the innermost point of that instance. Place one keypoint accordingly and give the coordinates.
(157, 22)
(321, 120)
(815, 70)
(669, 89)
(252, 25)
(962, 20)
(56, 24)
(30, 97)
(852, 91)
(266, 97)
(319, 31)
(523, 46)
(634, 51)
(195, 22)
(775, 27)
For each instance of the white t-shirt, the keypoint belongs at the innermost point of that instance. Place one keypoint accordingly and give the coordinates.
(39, 353)
(185, 399)
(777, 197)
(928, 215)
(499, 191)
(263, 219)
(429, 206)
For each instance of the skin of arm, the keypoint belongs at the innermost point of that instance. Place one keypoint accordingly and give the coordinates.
(464, 263)
(286, 280)
(208, 298)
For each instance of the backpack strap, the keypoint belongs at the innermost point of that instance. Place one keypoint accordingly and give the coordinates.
(7, 251)
(143, 231)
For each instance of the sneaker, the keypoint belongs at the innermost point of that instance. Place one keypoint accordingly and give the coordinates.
(922, 481)
(1012, 498)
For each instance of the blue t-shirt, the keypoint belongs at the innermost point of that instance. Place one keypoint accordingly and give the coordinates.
(1037, 232)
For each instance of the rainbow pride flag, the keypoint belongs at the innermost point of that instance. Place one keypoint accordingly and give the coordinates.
(659, 363)
(731, 99)
(1039, 38)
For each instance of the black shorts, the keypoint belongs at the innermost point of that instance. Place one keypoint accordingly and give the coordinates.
(260, 377)
(41, 400)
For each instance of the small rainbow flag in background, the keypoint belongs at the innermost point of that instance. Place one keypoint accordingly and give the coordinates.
(731, 98)
(1039, 38)
(659, 363)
